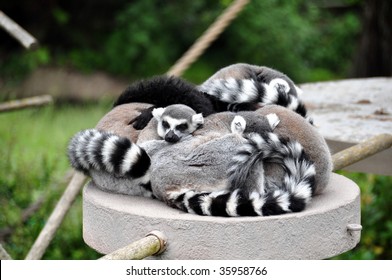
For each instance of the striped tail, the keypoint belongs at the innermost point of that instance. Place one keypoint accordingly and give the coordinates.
(265, 197)
(92, 149)
(239, 91)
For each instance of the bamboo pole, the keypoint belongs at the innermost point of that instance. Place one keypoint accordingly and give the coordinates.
(153, 243)
(28, 41)
(362, 150)
(25, 103)
(46, 235)
(205, 40)
(4, 254)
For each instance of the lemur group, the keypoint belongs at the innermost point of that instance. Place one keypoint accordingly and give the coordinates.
(239, 144)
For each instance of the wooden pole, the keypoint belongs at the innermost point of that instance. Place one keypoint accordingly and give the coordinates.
(362, 150)
(207, 38)
(153, 244)
(46, 235)
(28, 41)
(4, 254)
(25, 103)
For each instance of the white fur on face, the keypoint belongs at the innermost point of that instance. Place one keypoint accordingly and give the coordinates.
(157, 113)
(173, 123)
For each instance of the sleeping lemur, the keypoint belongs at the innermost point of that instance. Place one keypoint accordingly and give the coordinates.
(176, 122)
(96, 150)
(239, 87)
(238, 155)
(249, 192)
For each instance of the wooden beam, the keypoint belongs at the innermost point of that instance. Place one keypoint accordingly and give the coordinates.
(361, 151)
(153, 244)
(16, 31)
(4, 254)
(56, 218)
(25, 103)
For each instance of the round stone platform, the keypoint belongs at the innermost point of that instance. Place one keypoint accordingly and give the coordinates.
(328, 227)
(348, 112)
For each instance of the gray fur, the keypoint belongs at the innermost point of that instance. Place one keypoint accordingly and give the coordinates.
(248, 191)
(293, 127)
(200, 164)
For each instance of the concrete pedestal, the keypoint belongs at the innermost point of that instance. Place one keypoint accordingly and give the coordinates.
(112, 221)
(348, 112)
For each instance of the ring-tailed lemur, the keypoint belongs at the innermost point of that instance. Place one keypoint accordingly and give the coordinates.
(249, 192)
(162, 91)
(176, 122)
(239, 87)
(102, 151)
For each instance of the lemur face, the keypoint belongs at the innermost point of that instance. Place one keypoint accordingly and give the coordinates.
(176, 122)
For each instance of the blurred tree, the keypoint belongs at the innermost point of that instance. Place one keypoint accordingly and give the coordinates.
(375, 47)
(136, 38)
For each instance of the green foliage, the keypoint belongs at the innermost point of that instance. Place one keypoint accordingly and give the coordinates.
(292, 36)
(33, 164)
(149, 36)
(61, 16)
(144, 38)
(20, 64)
(376, 217)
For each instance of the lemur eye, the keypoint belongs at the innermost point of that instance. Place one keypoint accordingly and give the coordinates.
(165, 124)
(182, 127)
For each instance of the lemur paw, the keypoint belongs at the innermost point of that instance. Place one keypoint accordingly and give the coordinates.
(238, 125)
(143, 119)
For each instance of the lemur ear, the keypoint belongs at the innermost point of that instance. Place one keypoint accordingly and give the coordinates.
(158, 112)
(197, 119)
(273, 120)
(238, 125)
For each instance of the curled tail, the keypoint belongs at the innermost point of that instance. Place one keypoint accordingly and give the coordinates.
(252, 194)
(103, 151)
(294, 192)
(235, 92)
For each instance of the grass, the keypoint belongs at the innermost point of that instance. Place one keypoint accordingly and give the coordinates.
(376, 217)
(33, 164)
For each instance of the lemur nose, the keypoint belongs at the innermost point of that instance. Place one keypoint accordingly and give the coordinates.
(171, 137)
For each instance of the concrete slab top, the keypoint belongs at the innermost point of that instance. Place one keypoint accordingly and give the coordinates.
(350, 110)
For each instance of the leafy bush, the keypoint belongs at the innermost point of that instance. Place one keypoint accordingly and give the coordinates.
(376, 218)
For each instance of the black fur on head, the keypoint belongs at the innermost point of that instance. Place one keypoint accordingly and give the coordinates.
(162, 91)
